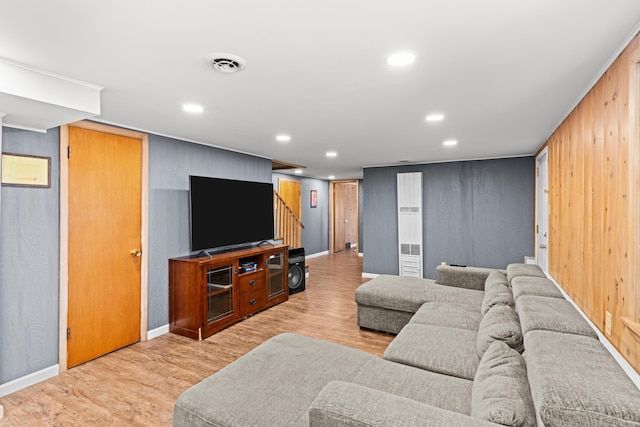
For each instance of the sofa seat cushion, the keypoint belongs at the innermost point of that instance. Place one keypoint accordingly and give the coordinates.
(443, 293)
(515, 270)
(575, 381)
(500, 391)
(439, 349)
(498, 294)
(393, 292)
(499, 324)
(276, 383)
(539, 286)
(452, 315)
(551, 314)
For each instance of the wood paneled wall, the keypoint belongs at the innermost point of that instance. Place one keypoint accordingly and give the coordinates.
(594, 194)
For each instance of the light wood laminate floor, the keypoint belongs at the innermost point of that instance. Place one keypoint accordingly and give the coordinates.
(138, 385)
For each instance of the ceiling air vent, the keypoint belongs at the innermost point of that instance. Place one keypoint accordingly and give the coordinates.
(225, 62)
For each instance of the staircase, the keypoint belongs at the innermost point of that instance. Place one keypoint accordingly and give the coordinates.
(288, 226)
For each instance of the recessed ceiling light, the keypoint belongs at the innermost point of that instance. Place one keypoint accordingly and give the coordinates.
(192, 108)
(450, 143)
(401, 59)
(331, 154)
(332, 177)
(435, 117)
(283, 138)
(297, 171)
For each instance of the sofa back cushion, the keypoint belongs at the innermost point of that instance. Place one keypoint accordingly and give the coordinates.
(496, 277)
(462, 277)
(540, 286)
(576, 382)
(551, 314)
(500, 391)
(499, 324)
(498, 294)
(515, 270)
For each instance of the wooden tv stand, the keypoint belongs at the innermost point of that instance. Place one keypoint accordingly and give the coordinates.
(207, 294)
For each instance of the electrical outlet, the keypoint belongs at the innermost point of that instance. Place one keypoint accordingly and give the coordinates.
(607, 323)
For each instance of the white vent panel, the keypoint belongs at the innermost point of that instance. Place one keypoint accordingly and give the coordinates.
(410, 223)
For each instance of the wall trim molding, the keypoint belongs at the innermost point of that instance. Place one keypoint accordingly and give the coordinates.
(626, 367)
(155, 333)
(369, 275)
(28, 380)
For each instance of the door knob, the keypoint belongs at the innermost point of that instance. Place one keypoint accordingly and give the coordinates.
(136, 252)
(543, 246)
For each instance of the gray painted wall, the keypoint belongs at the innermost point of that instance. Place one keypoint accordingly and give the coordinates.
(29, 244)
(315, 236)
(29, 254)
(170, 164)
(478, 213)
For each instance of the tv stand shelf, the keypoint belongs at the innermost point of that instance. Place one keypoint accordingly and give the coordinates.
(209, 293)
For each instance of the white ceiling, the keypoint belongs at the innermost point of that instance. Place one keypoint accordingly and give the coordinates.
(504, 72)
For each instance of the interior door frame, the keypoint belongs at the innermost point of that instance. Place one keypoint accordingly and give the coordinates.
(332, 185)
(542, 185)
(64, 230)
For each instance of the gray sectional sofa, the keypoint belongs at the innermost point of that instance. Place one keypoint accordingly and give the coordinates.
(476, 347)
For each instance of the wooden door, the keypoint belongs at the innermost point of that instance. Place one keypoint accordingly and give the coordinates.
(290, 191)
(351, 213)
(345, 214)
(105, 173)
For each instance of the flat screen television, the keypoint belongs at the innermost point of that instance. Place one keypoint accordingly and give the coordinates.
(227, 212)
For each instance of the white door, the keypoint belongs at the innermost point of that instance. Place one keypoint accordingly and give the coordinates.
(542, 210)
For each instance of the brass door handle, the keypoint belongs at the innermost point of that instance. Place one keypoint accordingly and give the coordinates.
(136, 252)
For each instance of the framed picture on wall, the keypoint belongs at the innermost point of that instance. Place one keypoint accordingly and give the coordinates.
(22, 170)
(314, 198)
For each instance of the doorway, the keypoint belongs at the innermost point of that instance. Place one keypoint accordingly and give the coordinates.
(103, 239)
(344, 215)
(542, 209)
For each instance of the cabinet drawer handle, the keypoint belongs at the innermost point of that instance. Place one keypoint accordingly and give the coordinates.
(252, 282)
(252, 302)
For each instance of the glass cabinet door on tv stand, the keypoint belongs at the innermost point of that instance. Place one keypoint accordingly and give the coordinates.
(219, 292)
(276, 270)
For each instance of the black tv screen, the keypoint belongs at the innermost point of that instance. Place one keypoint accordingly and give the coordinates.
(228, 212)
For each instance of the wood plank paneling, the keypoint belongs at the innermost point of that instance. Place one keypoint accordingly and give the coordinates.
(593, 173)
(138, 385)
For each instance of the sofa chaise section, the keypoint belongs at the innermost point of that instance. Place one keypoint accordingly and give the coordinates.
(276, 384)
(387, 303)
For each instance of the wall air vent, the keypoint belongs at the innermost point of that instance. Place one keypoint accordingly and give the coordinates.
(225, 62)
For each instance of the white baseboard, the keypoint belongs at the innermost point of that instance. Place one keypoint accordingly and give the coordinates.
(317, 254)
(626, 367)
(27, 380)
(155, 333)
(360, 254)
(369, 275)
